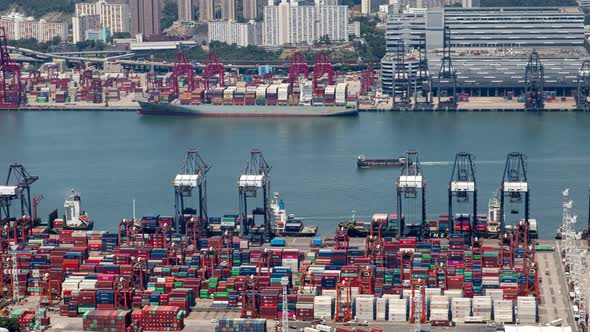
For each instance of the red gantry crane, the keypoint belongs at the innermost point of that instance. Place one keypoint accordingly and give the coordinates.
(322, 67)
(297, 68)
(182, 69)
(213, 67)
(12, 93)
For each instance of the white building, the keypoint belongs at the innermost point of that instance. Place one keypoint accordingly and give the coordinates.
(241, 34)
(185, 10)
(354, 28)
(304, 24)
(17, 26)
(228, 9)
(206, 10)
(112, 16)
(249, 9)
(83, 23)
(366, 7)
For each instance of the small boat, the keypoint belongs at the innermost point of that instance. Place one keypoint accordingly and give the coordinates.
(286, 224)
(363, 162)
(75, 218)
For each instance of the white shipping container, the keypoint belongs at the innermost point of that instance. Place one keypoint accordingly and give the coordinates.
(365, 307)
(398, 310)
(495, 294)
(322, 307)
(460, 309)
(453, 293)
(283, 92)
(503, 311)
(381, 309)
(482, 307)
(261, 92)
(527, 309)
(439, 307)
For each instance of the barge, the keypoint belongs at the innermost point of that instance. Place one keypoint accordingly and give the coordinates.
(363, 162)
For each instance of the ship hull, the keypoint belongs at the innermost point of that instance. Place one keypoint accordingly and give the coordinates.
(209, 110)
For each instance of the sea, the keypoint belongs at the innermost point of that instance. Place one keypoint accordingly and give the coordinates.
(116, 158)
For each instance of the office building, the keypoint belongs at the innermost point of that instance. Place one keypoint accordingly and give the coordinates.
(83, 23)
(18, 26)
(206, 10)
(249, 9)
(228, 9)
(289, 23)
(185, 10)
(101, 34)
(145, 16)
(231, 32)
(114, 16)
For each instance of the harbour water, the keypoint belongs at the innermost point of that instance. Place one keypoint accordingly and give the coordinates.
(113, 158)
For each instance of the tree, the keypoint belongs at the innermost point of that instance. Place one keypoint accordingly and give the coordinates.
(169, 15)
(11, 324)
(118, 35)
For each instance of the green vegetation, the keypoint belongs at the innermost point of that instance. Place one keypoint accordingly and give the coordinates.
(169, 15)
(117, 35)
(38, 8)
(527, 3)
(224, 53)
(33, 44)
(11, 324)
(90, 45)
(372, 43)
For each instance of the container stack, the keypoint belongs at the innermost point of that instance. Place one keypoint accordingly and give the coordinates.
(460, 309)
(241, 325)
(527, 311)
(482, 307)
(304, 307)
(503, 311)
(398, 310)
(439, 307)
(161, 318)
(365, 307)
(381, 309)
(106, 320)
(323, 307)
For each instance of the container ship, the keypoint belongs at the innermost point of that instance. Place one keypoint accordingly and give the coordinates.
(75, 218)
(273, 100)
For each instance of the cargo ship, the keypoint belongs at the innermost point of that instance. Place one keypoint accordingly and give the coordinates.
(74, 218)
(286, 224)
(363, 162)
(274, 100)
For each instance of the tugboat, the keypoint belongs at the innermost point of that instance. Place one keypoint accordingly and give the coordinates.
(74, 218)
(288, 225)
(363, 162)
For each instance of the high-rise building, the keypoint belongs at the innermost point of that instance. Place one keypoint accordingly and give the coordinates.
(437, 3)
(294, 24)
(206, 10)
(366, 7)
(231, 32)
(114, 16)
(249, 9)
(17, 26)
(83, 23)
(228, 9)
(145, 16)
(185, 10)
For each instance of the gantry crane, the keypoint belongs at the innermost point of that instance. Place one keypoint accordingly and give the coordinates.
(583, 87)
(401, 80)
(342, 239)
(462, 187)
(447, 75)
(256, 177)
(515, 187)
(193, 175)
(422, 79)
(12, 93)
(418, 304)
(534, 84)
(409, 185)
(374, 243)
(17, 187)
(182, 69)
(297, 68)
(343, 310)
(367, 80)
(322, 67)
(250, 298)
(213, 67)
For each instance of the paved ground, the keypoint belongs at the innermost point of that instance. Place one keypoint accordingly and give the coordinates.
(555, 301)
